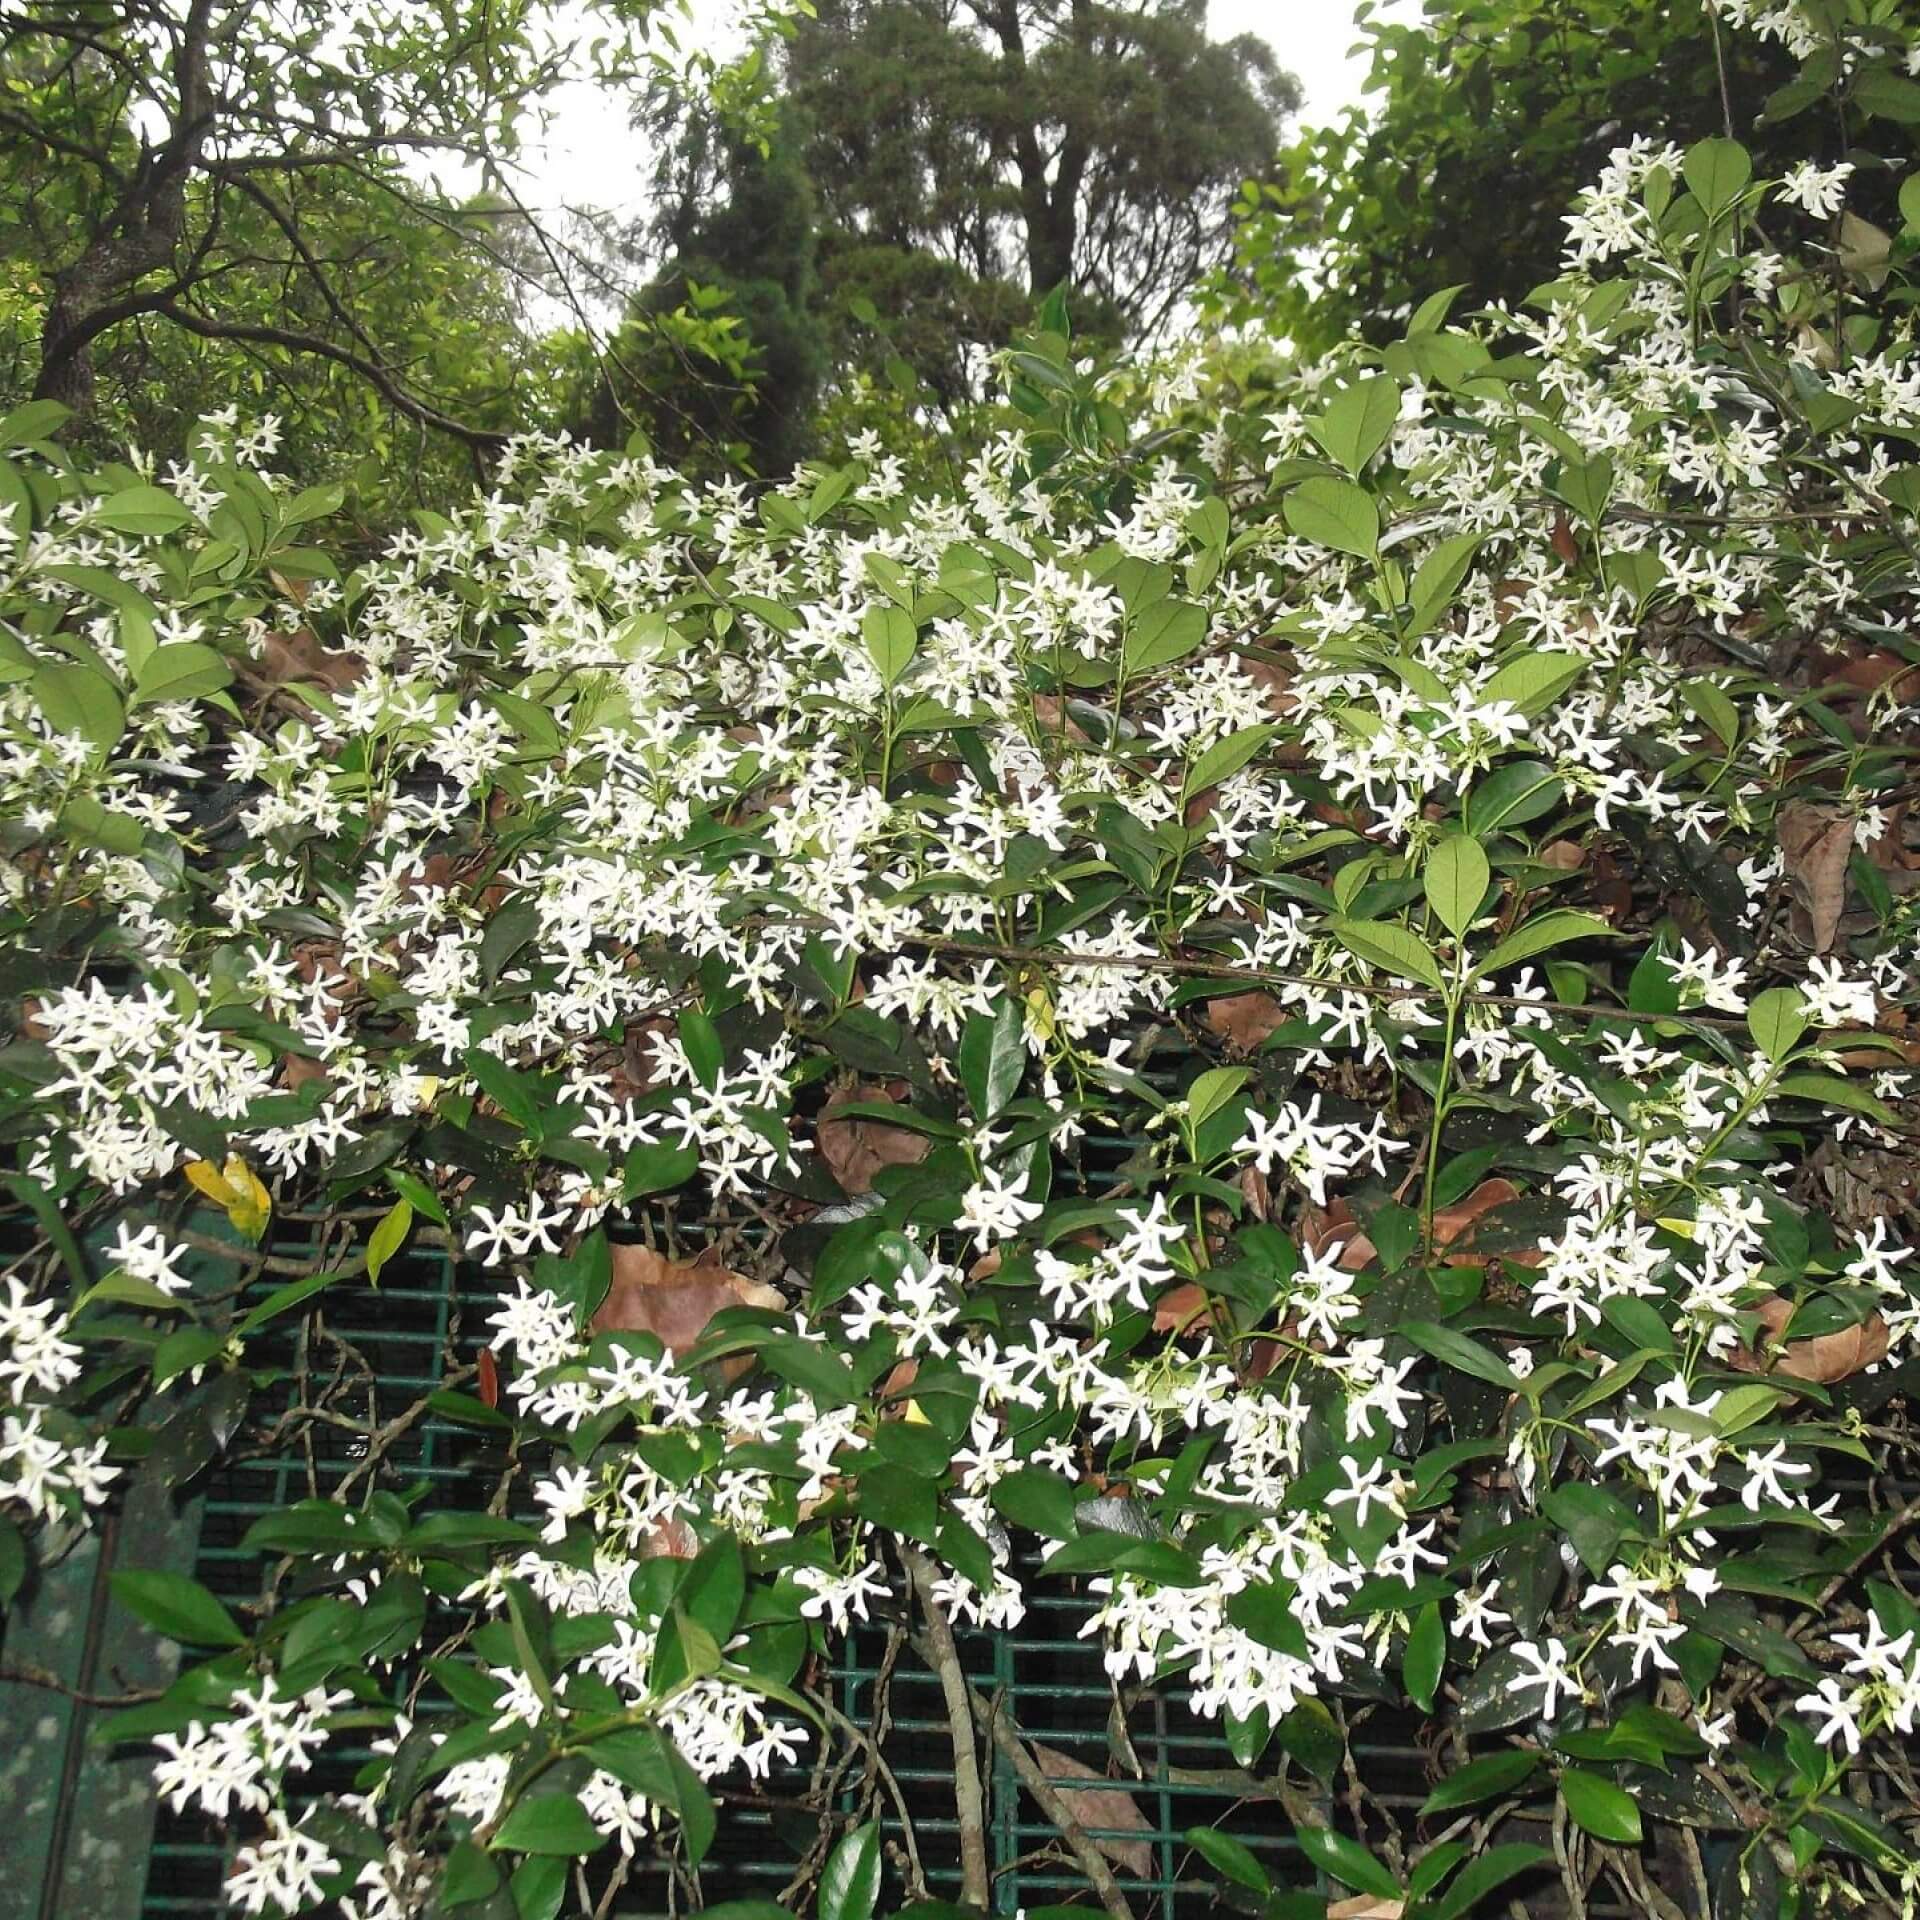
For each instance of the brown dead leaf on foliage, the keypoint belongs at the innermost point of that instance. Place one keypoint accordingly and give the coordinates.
(1817, 844)
(1179, 1307)
(1275, 684)
(1825, 1358)
(1094, 1807)
(1243, 1020)
(1334, 1225)
(1367, 1906)
(1256, 1192)
(1872, 670)
(1050, 711)
(299, 658)
(674, 1299)
(856, 1149)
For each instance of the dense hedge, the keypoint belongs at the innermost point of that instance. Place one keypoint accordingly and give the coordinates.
(1443, 810)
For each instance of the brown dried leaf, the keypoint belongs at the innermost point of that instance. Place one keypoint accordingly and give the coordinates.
(1367, 1906)
(1050, 711)
(299, 657)
(1243, 1020)
(1179, 1306)
(1275, 684)
(674, 1299)
(1094, 1807)
(855, 1150)
(1817, 843)
(1256, 1192)
(1825, 1358)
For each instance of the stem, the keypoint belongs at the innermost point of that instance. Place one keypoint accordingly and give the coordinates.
(1088, 1856)
(1441, 1088)
(969, 1803)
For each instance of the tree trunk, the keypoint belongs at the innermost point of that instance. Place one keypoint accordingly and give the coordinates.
(138, 237)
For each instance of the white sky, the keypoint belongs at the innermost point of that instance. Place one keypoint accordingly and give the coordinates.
(592, 159)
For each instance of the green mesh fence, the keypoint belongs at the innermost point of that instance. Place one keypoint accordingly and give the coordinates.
(1159, 1769)
(428, 1317)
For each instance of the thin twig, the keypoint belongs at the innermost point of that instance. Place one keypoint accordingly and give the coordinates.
(20, 1674)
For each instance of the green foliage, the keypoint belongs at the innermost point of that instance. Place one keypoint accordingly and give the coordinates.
(1265, 1017)
(725, 352)
(1484, 121)
(931, 136)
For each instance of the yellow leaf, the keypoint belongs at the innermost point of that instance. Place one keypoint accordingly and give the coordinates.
(206, 1176)
(913, 1416)
(252, 1207)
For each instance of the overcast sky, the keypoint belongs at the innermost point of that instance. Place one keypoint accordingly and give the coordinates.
(593, 160)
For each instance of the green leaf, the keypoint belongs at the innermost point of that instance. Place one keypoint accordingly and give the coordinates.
(1456, 879)
(79, 701)
(992, 1057)
(1211, 1091)
(1513, 794)
(13, 1561)
(1910, 202)
(181, 670)
(1038, 1499)
(1162, 633)
(1592, 1519)
(701, 1041)
(416, 1193)
(900, 1501)
(33, 421)
(1426, 1656)
(468, 1877)
(1480, 1877)
(1717, 172)
(1532, 682)
(180, 1608)
(891, 639)
(1777, 1019)
(1461, 1352)
(388, 1237)
(85, 820)
(142, 510)
(550, 1823)
(1488, 1779)
(1600, 1808)
(1831, 1091)
(1225, 758)
(1346, 1861)
(509, 1089)
(1389, 947)
(1539, 935)
(1355, 423)
(1709, 702)
(1232, 1857)
(1334, 513)
(284, 1297)
(714, 1587)
(657, 1167)
(1891, 96)
(850, 1886)
(1437, 579)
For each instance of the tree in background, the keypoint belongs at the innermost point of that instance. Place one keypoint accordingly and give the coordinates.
(723, 353)
(1485, 121)
(225, 201)
(972, 155)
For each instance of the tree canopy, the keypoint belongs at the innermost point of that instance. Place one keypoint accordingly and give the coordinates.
(1484, 119)
(1027, 144)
